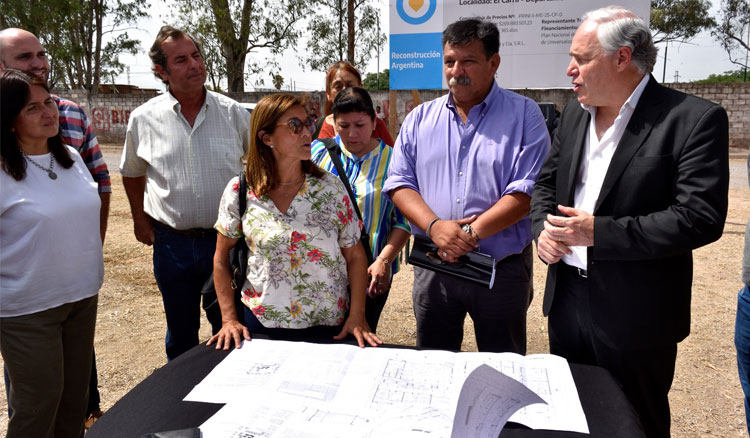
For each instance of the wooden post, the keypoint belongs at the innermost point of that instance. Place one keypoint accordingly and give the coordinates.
(392, 113)
(415, 97)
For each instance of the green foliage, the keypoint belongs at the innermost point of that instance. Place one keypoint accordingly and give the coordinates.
(84, 38)
(194, 19)
(733, 30)
(328, 34)
(727, 76)
(277, 80)
(236, 28)
(370, 82)
(679, 20)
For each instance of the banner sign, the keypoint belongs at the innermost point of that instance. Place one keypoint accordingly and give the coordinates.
(535, 37)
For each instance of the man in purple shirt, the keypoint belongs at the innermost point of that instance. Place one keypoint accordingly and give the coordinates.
(471, 157)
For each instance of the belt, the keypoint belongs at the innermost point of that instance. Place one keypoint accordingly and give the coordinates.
(581, 273)
(193, 233)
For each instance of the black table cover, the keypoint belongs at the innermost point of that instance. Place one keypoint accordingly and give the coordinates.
(156, 404)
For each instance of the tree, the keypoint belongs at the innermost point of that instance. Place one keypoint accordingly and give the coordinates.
(344, 29)
(734, 22)
(678, 21)
(727, 76)
(370, 82)
(200, 25)
(241, 27)
(84, 38)
(277, 80)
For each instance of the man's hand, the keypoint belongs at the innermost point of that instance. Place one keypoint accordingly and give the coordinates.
(551, 251)
(575, 230)
(144, 229)
(451, 239)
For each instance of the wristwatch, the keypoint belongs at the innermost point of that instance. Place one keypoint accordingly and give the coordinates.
(468, 229)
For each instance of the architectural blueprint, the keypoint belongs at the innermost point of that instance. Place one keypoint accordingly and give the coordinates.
(316, 390)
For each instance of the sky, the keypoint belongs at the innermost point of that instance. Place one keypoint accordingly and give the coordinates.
(688, 61)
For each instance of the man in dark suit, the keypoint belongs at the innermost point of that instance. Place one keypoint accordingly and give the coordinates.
(636, 179)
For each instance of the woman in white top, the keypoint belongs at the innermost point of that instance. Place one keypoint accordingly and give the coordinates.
(51, 265)
(303, 239)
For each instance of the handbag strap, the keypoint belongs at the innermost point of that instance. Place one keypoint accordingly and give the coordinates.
(333, 151)
(243, 194)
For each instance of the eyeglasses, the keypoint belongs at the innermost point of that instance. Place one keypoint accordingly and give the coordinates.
(296, 125)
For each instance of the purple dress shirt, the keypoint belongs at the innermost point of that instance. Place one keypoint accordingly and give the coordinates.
(464, 169)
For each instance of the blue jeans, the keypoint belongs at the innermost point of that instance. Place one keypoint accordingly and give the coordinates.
(182, 264)
(742, 342)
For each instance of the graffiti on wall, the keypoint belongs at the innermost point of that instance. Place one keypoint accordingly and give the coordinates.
(104, 118)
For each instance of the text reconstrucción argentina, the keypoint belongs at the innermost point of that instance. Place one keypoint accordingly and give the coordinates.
(411, 56)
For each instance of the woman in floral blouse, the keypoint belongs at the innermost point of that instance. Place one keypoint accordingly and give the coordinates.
(303, 237)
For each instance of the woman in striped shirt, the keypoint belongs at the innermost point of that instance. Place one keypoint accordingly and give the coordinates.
(365, 161)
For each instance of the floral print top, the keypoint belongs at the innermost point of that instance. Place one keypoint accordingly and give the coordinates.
(296, 273)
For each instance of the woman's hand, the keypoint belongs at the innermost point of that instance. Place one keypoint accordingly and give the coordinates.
(230, 331)
(380, 273)
(357, 327)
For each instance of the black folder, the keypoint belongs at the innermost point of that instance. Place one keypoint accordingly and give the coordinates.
(473, 266)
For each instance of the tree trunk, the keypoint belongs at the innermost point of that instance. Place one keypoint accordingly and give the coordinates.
(341, 30)
(235, 71)
(87, 36)
(350, 30)
(232, 48)
(99, 11)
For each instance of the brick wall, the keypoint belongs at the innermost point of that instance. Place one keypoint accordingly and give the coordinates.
(735, 98)
(110, 113)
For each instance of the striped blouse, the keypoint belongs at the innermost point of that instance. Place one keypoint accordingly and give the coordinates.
(366, 176)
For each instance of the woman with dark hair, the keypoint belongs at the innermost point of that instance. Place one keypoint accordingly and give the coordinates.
(302, 234)
(365, 161)
(343, 75)
(51, 265)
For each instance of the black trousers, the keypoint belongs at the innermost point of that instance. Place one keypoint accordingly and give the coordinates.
(645, 375)
(441, 303)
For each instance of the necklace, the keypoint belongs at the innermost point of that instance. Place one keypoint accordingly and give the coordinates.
(50, 173)
(281, 193)
(292, 182)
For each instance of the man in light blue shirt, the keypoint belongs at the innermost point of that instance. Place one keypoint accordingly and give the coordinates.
(471, 157)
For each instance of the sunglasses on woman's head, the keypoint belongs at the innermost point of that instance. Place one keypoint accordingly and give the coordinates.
(296, 125)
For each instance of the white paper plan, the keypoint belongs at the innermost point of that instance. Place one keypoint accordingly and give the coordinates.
(372, 391)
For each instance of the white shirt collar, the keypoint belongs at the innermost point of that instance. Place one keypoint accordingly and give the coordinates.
(177, 106)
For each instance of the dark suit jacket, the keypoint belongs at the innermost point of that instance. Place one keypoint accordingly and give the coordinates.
(664, 194)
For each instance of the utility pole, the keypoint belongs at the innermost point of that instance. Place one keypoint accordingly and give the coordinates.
(664, 70)
(377, 35)
(746, 52)
(676, 76)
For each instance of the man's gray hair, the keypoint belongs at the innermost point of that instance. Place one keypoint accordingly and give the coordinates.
(619, 27)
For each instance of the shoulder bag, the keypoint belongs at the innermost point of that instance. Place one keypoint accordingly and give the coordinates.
(237, 260)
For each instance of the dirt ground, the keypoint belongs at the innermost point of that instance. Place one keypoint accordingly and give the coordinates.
(706, 397)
